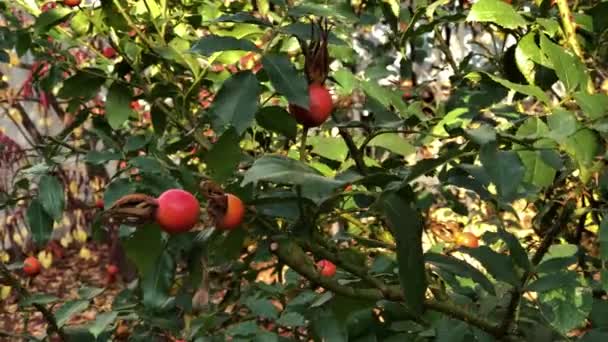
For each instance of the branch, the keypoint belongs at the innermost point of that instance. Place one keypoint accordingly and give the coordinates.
(46, 313)
(355, 153)
(547, 241)
(293, 256)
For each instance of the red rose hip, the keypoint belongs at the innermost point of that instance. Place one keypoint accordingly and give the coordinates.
(31, 266)
(71, 3)
(178, 211)
(320, 107)
(326, 268)
(235, 211)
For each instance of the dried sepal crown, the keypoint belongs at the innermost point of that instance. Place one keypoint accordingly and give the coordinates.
(316, 62)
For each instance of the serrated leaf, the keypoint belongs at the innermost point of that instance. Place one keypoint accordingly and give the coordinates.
(500, 266)
(283, 170)
(84, 84)
(538, 171)
(38, 298)
(210, 44)
(144, 248)
(101, 157)
(147, 164)
(262, 307)
(554, 281)
(482, 135)
(46, 20)
(246, 328)
(102, 321)
(497, 12)
(69, 309)
(286, 80)
(520, 257)
(224, 156)
(115, 190)
(563, 124)
(504, 168)
(51, 195)
(118, 105)
(291, 319)
(328, 147)
(569, 69)
(460, 268)
(530, 90)
(595, 106)
(236, 103)
(406, 225)
(394, 143)
(157, 281)
(278, 120)
(40, 223)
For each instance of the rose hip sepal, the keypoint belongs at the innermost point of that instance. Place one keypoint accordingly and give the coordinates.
(226, 210)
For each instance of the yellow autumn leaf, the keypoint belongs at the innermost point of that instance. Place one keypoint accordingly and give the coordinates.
(85, 253)
(4, 257)
(80, 235)
(45, 258)
(5, 291)
(66, 240)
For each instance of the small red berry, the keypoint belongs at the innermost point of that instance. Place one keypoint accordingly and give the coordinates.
(31, 266)
(109, 52)
(71, 3)
(326, 268)
(320, 107)
(178, 211)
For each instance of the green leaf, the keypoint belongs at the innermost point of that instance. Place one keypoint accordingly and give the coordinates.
(566, 308)
(40, 223)
(118, 105)
(569, 68)
(80, 22)
(603, 238)
(51, 195)
(101, 157)
(208, 45)
(538, 171)
(147, 164)
(406, 225)
(144, 248)
(69, 309)
(246, 328)
(498, 12)
(157, 282)
(504, 168)
(583, 146)
(500, 266)
(460, 268)
(224, 156)
(135, 142)
(517, 251)
(563, 124)
(85, 83)
(394, 143)
(482, 135)
(38, 298)
(115, 190)
(328, 147)
(262, 308)
(530, 90)
(283, 170)
(595, 106)
(102, 321)
(291, 319)
(46, 20)
(242, 17)
(286, 80)
(524, 62)
(385, 96)
(278, 120)
(528, 49)
(89, 293)
(236, 102)
(326, 327)
(554, 281)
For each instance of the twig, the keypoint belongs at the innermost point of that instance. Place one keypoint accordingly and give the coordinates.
(303, 144)
(517, 292)
(355, 153)
(46, 313)
(293, 256)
